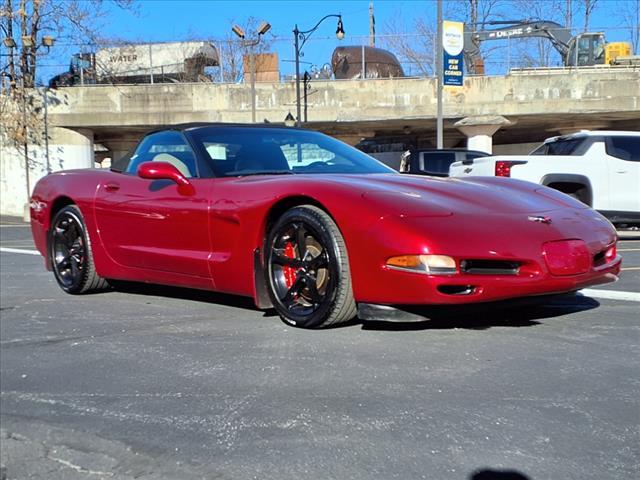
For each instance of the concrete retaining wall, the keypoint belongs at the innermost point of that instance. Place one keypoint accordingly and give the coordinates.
(349, 101)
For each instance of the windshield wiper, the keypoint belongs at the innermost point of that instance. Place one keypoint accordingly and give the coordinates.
(247, 173)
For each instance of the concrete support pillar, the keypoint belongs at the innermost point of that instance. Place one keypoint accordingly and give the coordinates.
(118, 149)
(480, 129)
(70, 148)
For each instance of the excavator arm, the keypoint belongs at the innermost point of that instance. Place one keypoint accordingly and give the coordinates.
(559, 36)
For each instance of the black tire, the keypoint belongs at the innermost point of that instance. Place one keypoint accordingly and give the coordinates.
(307, 269)
(70, 253)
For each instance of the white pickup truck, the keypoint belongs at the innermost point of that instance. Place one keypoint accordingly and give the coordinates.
(599, 168)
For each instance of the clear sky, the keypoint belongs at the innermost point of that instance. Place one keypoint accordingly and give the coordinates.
(175, 20)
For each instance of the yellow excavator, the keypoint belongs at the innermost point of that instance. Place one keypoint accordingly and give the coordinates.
(585, 49)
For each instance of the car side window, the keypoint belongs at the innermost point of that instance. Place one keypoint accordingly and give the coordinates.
(541, 150)
(120, 164)
(624, 148)
(170, 147)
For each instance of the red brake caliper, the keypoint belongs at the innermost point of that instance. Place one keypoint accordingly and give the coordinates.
(289, 272)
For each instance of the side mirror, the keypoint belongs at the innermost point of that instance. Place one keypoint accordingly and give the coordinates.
(166, 171)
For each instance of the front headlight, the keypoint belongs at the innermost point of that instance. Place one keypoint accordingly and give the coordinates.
(429, 264)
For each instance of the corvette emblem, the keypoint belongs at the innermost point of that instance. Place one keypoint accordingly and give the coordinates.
(539, 219)
(468, 170)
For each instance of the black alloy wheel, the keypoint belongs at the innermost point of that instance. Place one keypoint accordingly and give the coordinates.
(70, 253)
(307, 269)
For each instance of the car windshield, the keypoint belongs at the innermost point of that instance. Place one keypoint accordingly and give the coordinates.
(239, 151)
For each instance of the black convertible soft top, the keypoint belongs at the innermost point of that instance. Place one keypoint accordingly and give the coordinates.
(194, 125)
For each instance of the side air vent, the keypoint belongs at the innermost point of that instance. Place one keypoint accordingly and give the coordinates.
(456, 289)
(489, 267)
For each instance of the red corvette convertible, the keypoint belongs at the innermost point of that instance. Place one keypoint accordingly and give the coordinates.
(310, 226)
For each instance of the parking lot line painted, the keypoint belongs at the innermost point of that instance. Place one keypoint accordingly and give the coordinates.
(611, 294)
(629, 249)
(14, 225)
(630, 268)
(19, 250)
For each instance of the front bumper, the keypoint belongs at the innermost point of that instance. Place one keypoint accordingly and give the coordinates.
(415, 289)
(495, 239)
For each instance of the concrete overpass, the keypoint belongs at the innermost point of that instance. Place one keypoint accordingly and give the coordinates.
(533, 105)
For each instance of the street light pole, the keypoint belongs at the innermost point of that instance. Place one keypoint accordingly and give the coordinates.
(252, 67)
(300, 38)
(296, 34)
(262, 29)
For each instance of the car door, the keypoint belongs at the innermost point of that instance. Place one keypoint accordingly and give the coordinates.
(623, 164)
(149, 224)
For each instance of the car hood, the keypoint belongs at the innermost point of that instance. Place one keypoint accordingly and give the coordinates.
(409, 195)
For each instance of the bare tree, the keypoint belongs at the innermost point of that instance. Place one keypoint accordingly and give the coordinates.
(21, 117)
(415, 49)
(6, 26)
(477, 12)
(28, 26)
(478, 15)
(537, 52)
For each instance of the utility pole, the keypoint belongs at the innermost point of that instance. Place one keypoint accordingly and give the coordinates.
(439, 82)
(372, 26)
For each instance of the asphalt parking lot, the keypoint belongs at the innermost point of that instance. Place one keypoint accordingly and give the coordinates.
(159, 383)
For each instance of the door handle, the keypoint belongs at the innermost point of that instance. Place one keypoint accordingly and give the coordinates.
(112, 187)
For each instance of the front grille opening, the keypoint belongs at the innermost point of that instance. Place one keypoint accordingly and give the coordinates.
(490, 267)
(456, 289)
(598, 258)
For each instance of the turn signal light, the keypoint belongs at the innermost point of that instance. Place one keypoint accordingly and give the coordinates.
(503, 168)
(405, 261)
(430, 264)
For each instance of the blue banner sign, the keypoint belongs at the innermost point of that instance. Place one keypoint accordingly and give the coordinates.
(453, 43)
